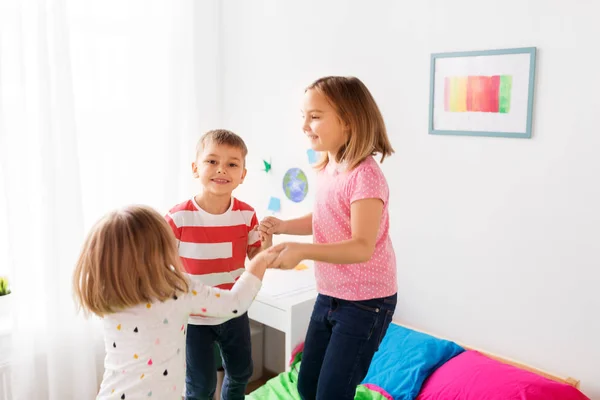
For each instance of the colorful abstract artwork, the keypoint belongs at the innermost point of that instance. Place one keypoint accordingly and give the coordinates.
(478, 93)
(482, 93)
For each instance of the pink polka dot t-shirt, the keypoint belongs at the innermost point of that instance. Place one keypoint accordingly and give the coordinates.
(337, 189)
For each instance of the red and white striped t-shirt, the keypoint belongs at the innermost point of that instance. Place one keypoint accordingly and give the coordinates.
(213, 247)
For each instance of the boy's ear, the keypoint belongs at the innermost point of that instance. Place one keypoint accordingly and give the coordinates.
(195, 170)
(244, 175)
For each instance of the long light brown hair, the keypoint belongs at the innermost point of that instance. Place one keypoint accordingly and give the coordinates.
(356, 107)
(130, 257)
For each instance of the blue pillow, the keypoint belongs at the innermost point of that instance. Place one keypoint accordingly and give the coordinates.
(405, 359)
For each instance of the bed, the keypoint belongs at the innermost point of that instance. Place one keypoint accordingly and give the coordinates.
(411, 364)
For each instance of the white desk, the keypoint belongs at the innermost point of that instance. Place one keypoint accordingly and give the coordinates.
(288, 311)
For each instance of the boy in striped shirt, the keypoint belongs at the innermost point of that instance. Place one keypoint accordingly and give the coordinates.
(215, 233)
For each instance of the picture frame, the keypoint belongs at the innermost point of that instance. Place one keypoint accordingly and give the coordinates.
(483, 93)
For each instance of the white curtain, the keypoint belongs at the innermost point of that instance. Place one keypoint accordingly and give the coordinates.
(100, 106)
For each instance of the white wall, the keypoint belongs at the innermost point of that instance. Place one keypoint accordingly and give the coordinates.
(496, 239)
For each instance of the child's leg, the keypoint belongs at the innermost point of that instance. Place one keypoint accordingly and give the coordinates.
(315, 346)
(358, 328)
(201, 372)
(236, 349)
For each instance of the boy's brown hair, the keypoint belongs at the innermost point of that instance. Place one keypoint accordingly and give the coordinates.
(357, 108)
(130, 257)
(222, 137)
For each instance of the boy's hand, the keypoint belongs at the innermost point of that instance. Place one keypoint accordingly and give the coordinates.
(271, 226)
(266, 240)
(254, 236)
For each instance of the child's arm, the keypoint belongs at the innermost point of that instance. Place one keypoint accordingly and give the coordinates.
(257, 241)
(297, 226)
(367, 193)
(365, 218)
(266, 241)
(213, 302)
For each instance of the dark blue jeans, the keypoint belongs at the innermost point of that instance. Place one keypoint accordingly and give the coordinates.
(340, 343)
(233, 338)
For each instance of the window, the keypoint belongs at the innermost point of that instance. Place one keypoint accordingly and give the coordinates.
(3, 227)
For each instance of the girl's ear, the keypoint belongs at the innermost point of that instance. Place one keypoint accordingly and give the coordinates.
(345, 125)
(347, 130)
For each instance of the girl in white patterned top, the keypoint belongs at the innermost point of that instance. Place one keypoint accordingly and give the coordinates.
(129, 273)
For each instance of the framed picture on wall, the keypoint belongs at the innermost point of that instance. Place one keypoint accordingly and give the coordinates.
(482, 93)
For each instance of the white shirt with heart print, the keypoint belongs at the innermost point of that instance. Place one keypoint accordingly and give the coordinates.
(145, 344)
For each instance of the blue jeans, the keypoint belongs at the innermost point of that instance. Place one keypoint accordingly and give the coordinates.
(340, 343)
(233, 338)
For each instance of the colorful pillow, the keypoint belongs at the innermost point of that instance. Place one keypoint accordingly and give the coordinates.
(405, 359)
(473, 376)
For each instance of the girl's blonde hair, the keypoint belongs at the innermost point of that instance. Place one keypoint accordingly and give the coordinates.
(130, 257)
(357, 108)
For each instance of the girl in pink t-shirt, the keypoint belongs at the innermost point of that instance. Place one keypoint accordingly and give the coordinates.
(355, 265)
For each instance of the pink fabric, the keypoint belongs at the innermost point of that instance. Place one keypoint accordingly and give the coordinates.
(337, 189)
(379, 390)
(299, 348)
(473, 376)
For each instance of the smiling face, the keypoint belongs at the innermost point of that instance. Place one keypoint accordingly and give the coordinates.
(321, 123)
(220, 168)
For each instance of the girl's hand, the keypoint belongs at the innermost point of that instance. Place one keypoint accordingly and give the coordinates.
(271, 226)
(262, 261)
(290, 255)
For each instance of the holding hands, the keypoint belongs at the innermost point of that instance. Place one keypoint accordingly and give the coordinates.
(289, 254)
(263, 260)
(271, 226)
(267, 228)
